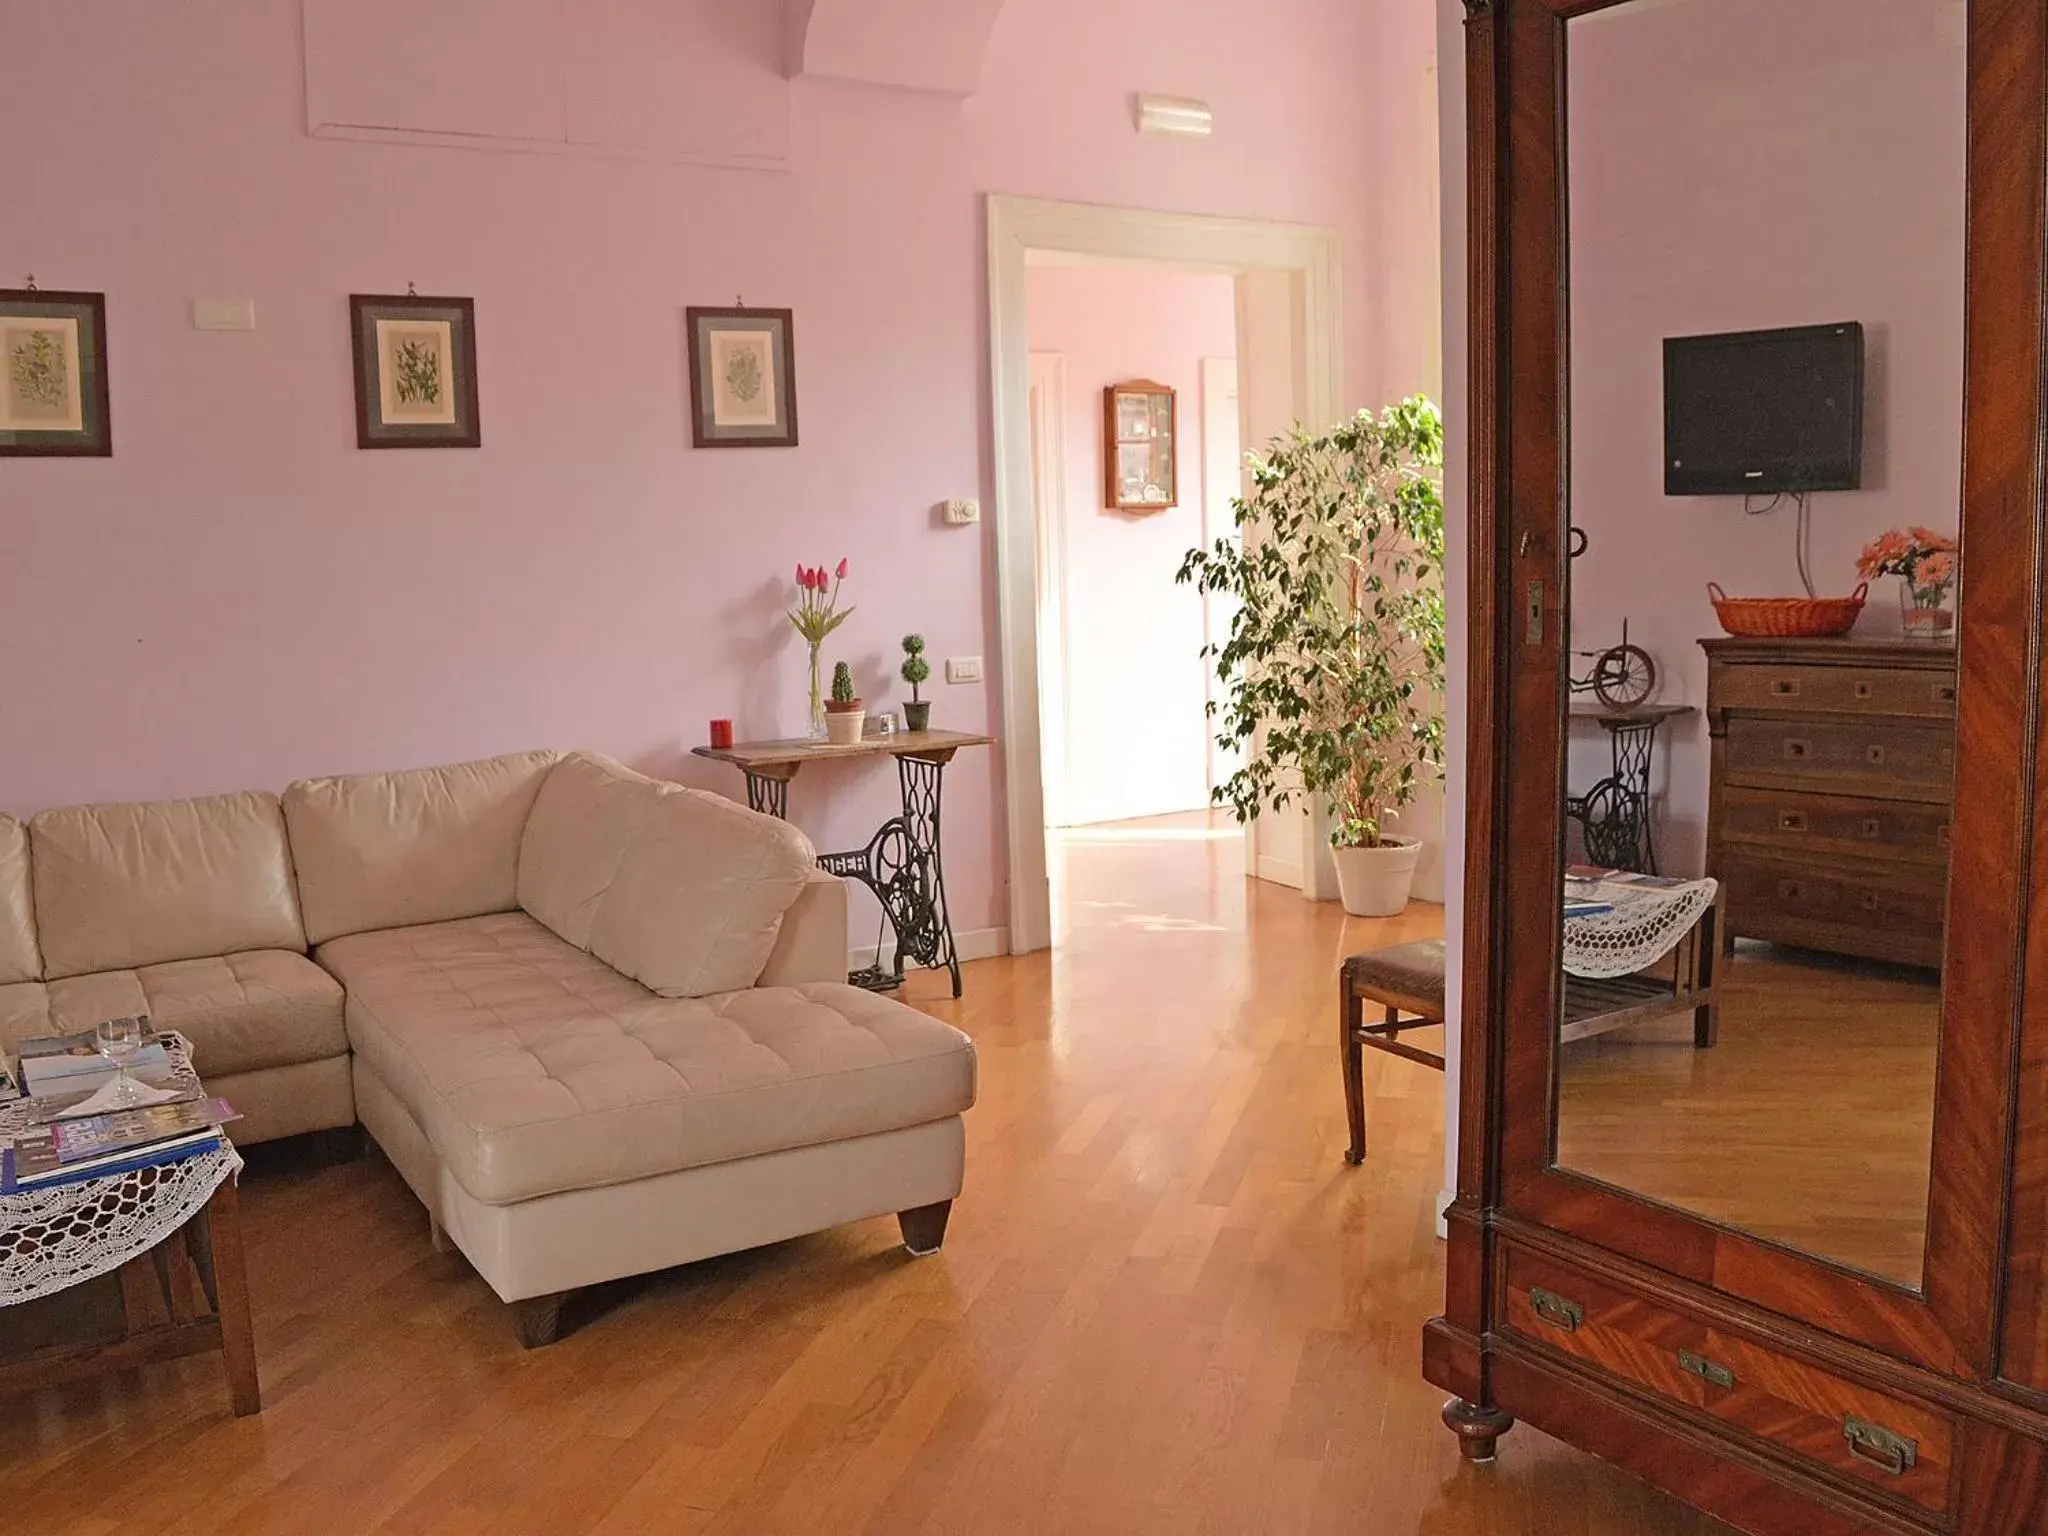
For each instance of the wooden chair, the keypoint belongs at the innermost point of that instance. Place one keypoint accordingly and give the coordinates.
(1405, 978)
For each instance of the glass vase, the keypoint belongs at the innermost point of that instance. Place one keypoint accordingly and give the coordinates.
(1924, 612)
(817, 699)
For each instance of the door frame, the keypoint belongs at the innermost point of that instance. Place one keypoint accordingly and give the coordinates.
(1298, 264)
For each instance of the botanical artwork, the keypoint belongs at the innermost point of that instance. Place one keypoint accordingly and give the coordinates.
(742, 378)
(415, 379)
(53, 373)
(415, 365)
(43, 392)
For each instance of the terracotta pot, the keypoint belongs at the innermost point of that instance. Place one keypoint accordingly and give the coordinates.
(845, 723)
(1374, 882)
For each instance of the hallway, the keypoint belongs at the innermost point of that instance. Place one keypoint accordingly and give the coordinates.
(1165, 1305)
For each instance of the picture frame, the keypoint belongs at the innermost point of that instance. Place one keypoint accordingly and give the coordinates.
(415, 371)
(742, 377)
(1140, 444)
(53, 374)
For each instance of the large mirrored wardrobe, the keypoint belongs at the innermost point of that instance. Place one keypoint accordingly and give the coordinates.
(1753, 1169)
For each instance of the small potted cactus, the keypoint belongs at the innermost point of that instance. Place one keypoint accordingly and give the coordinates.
(845, 716)
(917, 714)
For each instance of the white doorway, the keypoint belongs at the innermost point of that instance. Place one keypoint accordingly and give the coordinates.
(1222, 484)
(1285, 286)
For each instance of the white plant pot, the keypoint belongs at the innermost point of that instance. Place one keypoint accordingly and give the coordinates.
(1374, 882)
(843, 727)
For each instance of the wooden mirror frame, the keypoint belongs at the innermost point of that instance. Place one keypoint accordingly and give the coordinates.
(1985, 1094)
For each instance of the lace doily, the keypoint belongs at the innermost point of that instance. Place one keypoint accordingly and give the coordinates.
(54, 1238)
(1645, 925)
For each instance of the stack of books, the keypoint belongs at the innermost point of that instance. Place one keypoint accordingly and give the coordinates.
(67, 1151)
(72, 1064)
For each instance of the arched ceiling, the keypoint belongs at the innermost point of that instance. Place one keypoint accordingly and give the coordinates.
(918, 45)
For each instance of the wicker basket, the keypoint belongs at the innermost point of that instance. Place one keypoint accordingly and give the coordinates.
(1788, 618)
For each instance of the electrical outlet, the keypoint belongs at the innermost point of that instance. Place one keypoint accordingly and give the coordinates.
(963, 669)
(963, 510)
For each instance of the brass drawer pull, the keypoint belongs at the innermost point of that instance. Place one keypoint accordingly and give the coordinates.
(1785, 687)
(1871, 901)
(1792, 821)
(1865, 691)
(1872, 827)
(1944, 693)
(1874, 754)
(1555, 1310)
(1796, 750)
(1791, 890)
(1877, 1445)
(1699, 1365)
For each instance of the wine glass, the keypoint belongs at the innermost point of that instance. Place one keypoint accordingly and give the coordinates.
(120, 1041)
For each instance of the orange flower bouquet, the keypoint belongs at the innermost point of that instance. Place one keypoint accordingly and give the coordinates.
(1927, 565)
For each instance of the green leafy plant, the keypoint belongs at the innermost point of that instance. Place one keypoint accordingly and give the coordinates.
(842, 684)
(916, 670)
(1333, 670)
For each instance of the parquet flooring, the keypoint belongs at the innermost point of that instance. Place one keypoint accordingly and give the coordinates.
(1164, 1305)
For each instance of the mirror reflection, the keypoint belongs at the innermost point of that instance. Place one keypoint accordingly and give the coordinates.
(1766, 257)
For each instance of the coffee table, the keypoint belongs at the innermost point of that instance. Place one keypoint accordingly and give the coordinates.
(115, 1272)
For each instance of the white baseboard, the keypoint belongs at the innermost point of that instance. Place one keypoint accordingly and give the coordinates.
(1445, 1199)
(1279, 871)
(973, 944)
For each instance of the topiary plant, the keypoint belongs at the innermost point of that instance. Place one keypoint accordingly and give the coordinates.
(842, 684)
(916, 669)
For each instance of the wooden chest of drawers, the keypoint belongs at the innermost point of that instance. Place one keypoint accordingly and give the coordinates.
(1828, 816)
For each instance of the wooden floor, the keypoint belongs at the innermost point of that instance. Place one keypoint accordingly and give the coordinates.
(1811, 1121)
(1165, 1305)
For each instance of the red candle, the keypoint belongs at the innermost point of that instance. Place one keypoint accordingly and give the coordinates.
(721, 733)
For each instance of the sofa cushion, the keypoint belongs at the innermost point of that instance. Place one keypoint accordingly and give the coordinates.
(534, 1068)
(389, 850)
(118, 886)
(20, 958)
(242, 1013)
(681, 890)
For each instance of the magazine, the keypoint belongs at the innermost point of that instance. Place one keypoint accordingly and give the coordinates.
(156, 1154)
(67, 1144)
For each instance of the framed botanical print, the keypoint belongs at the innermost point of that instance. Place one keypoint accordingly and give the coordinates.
(742, 378)
(53, 387)
(415, 360)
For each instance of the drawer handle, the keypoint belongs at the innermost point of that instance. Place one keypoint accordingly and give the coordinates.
(1865, 691)
(1796, 750)
(1791, 890)
(1699, 1365)
(1785, 687)
(1872, 827)
(1870, 901)
(1944, 693)
(1555, 1310)
(1877, 1445)
(1792, 821)
(1874, 753)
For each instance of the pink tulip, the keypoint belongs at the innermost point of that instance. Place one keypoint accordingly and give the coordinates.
(842, 570)
(801, 579)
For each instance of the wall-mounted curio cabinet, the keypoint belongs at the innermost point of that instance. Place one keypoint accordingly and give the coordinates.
(1139, 433)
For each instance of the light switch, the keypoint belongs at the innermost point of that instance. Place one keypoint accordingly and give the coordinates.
(963, 669)
(223, 314)
(963, 510)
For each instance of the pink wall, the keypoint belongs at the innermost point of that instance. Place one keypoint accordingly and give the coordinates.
(240, 595)
(1134, 682)
(1736, 165)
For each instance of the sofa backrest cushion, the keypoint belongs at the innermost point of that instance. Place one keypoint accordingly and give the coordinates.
(392, 850)
(682, 891)
(119, 886)
(20, 958)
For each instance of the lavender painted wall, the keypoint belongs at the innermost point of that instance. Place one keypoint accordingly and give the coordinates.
(1736, 165)
(1136, 739)
(240, 595)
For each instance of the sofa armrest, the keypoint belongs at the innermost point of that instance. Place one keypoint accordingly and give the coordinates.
(812, 943)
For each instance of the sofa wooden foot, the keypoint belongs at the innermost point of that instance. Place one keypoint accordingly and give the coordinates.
(1478, 1429)
(924, 1229)
(538, 1320)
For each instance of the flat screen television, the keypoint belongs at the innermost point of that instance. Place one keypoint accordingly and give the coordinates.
(1764, 411)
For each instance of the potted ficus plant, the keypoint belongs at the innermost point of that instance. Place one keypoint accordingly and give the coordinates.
(1333, 670)
(917, 714)
(845, 715)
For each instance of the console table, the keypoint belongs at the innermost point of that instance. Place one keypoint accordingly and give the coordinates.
(1615, 813)
(901, 863)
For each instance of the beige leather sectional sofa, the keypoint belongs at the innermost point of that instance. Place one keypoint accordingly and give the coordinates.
(599, 1023)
